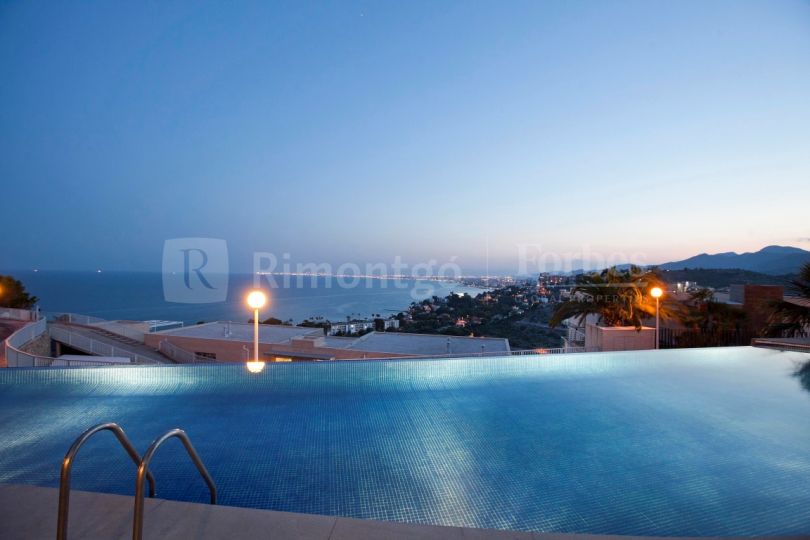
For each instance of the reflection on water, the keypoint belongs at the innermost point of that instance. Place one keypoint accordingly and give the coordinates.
(624, 443)
(803, 374)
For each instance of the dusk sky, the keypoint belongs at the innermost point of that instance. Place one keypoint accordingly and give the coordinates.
(361, 131)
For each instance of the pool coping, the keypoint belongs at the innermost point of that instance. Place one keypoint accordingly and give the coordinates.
(398, 359)
(30, 512)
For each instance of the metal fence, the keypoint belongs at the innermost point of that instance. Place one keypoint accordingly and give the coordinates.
(92, 346)
(81, 362)
(14, 356)
(182, 356)
(113, 327)
(671, 338)
(17, 314)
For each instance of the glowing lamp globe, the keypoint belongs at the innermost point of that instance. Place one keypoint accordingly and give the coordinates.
(656, 292)
(255, 367)
(256, 299)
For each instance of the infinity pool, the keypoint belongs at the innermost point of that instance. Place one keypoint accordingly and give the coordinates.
(701, 442)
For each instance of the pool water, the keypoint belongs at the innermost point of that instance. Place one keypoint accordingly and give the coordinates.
(701, 442)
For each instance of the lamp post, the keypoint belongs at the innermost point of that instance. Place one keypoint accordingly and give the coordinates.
(656, 293)
(256, 300)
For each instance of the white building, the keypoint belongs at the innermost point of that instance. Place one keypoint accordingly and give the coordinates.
(354, 327)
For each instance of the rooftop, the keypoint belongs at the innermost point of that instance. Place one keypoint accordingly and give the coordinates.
(798, 300)
(380, 342)
(337, 342)
(427, 344)
(236, 331)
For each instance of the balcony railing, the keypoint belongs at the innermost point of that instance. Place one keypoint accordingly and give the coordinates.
(98, 348)
(113, 327)
(18, 314)
(13, 343)
(182, 356)
(16, 357)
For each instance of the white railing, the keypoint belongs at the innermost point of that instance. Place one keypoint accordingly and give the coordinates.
(102, 324)
(182, 356)
(81, 362)
(93, 346)
(15, 357)
(27, 333)
(18, 358)
(17, 314)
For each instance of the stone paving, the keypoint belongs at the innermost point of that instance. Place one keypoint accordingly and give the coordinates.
(28, 512)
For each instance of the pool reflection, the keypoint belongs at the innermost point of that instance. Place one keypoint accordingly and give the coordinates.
(803, 374)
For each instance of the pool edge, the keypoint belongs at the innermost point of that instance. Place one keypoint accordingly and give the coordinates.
(30, 512)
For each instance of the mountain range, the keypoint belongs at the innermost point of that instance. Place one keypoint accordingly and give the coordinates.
(774, 260)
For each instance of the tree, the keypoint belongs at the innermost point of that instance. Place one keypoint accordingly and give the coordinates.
(791, 319)
(617, 297)
(316, 324)
(803, 374)
(707, 315)
(14, 295)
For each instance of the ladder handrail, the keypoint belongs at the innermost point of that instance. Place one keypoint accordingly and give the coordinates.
(67, 464)
(143, 471)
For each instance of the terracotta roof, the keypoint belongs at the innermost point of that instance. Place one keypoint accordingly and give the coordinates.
(798, 300)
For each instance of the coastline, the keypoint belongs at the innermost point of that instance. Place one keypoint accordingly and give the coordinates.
(139, 296)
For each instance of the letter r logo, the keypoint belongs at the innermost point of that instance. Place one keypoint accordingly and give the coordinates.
(195, 270)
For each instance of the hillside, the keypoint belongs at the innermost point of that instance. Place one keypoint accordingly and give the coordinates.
(773, 260)
(720, 278)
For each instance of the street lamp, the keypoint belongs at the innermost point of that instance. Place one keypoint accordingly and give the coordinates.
(656, 293)
(256, 300)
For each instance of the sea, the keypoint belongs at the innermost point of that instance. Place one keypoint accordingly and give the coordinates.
(140, 296)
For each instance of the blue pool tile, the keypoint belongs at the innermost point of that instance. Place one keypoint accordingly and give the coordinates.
(701, 442)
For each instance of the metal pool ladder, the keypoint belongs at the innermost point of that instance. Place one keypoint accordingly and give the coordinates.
(143, 473)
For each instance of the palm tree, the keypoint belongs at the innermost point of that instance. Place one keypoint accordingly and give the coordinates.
(792, 319)
(705, 314)
(618, 297)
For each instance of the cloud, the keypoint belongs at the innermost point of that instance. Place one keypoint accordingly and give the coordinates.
(804, 239)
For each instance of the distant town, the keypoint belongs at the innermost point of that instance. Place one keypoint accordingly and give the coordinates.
(520, 310)
(617, 308)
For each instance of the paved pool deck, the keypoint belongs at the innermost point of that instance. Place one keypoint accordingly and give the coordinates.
(29, 512)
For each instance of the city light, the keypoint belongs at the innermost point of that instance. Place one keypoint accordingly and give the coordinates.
(256, 299)
(656, 293)
(255, 367)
